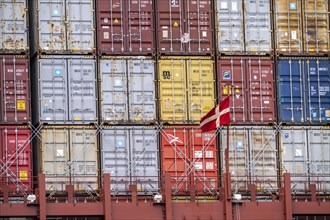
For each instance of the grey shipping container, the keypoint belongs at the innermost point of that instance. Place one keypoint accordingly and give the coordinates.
(65, 26)
(305, 154)
(130, 155)
(128, 89)
(252, 157)
(244, 27)
(69, 155)
(66, 90)
(13, 26)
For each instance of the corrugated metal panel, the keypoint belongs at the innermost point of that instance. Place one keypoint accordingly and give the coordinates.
(67, 90)
(128, 89)
(305, 154)
(130, 155)
(66, 26)
(125, 26)
(251, 87)
(14, 90)
(252, 156)
(16, 159)
(191, 158)
(186, 89)
(69, 156)
(304, 90)
(13, 26)
(185, 27)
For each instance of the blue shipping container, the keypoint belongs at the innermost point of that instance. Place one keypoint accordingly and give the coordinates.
(303, 90)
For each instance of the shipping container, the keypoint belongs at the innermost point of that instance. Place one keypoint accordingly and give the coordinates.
(69, 156)
(64, 26)
(303, 90)
(14, 26)
(190, 157)
(250, 83)
(186, 89)
(14, 90)
(125, 27)
(66, 90)
(305, 154)
(130, 155)
(185, 27)
(252, 157)
(244, 27)
(128, 90)
(16, 159)
(302, 27)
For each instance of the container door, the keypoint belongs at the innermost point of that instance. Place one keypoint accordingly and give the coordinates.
(142, 106)
(230, 26)
(291, 101)
(172, 90)
(55, 158)
(200, 88)
(82, 90)
(258, 27)
(15, 83)
(14, 27)
(115, 158)
(144, 159)
(51, 21)
(53, 90)
(318, 91)
(140, 23)
(113, 75)
(80, 25)
(84, 159)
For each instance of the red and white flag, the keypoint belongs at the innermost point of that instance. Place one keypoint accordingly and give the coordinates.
(219, 115)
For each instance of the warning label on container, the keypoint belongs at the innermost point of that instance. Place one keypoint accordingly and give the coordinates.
(226, 74)
(175, 24)
(20, 104)
(23, 175)
(116, 21)
(198, 165)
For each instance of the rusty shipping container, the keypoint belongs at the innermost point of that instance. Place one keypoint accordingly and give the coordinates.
(14, 90)
(252, 157)
(302, 27)
(250, 83)
(14, 27)
(305, 154)
(190, 157)
(16, 159)
(125, 27)
(244, 27)
(63, 27)
(69, 155)
(185, 27)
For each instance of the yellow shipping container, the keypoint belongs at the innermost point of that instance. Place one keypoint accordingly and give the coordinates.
(186, 89)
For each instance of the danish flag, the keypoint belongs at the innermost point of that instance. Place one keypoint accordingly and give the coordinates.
(219, 115)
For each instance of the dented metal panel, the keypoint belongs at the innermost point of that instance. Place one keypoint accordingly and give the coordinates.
(13, 26)
(130, 155)
(14, 90)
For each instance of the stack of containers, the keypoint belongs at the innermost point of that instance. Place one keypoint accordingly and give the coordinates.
(303, 83)
(186, 91)
(245, 65)
(127, 92)
(65, 93)
(15, 114)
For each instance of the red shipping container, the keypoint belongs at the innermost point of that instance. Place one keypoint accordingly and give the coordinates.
(16, 161)
(185, 26)
(191, 159)
(14, 90)
(125, 27)
(251, 86)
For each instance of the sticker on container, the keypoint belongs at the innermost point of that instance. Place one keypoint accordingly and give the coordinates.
(20, 104)
(298, 153)
(298, 168)
(223, 5)
(293, 35)
(204, 33)
(77, 118)
(209, 154)
(59, 153)
(116, 21)
(198, 165)
(58, 72)
(106, 35)
(209, 165)
(168, 105)
(226, 74)
(106, 20)
(185, 38)
(175, 24)
(198, 154)
(165, 33)
(327, 113)
(234, 6)
(23, 175)
(293, 6)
